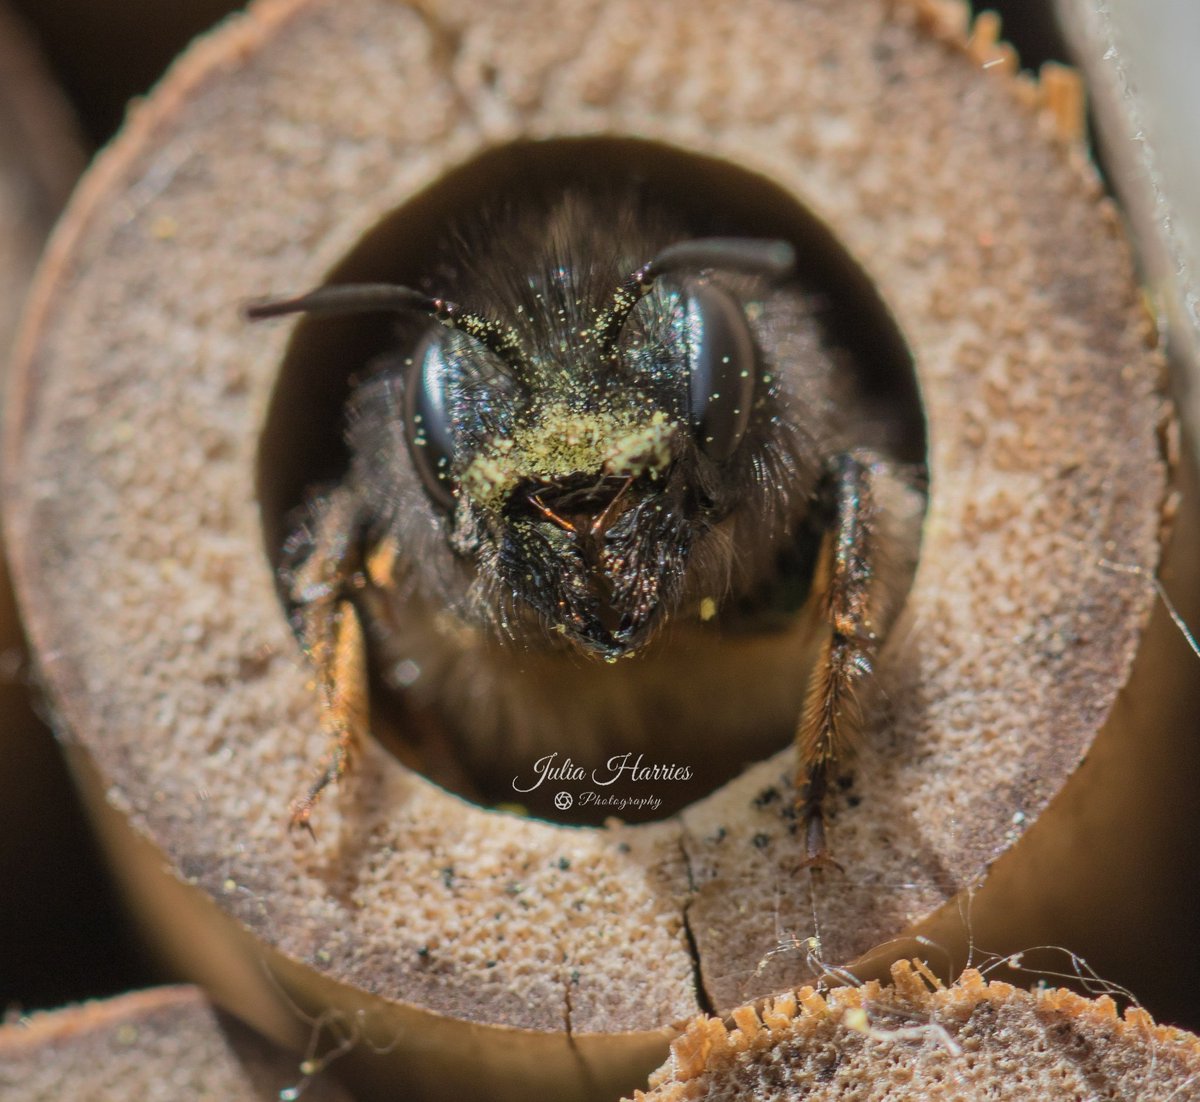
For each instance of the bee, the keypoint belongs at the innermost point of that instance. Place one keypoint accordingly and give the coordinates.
(613, 487)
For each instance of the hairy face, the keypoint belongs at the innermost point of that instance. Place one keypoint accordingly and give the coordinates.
(595, 423)
(597, 441)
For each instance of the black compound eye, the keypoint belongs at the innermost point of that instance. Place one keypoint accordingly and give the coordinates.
(722, 366)
(427, 417)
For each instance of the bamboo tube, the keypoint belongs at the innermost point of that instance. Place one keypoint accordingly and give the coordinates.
(111, 51)
(156, 1045)
(530, 954)
(40, 158)
(919, 1039)
(39, 161)
(1143, 85)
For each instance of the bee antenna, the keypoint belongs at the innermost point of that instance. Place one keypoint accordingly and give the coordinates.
(773, 259)
(361, 298)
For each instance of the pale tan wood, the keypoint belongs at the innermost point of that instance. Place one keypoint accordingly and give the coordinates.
(916, 1039)
(159, 1045)
(536, 955)
(1141, 86)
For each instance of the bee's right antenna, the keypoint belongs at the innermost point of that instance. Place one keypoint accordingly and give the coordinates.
(773, 259)
(360, 298)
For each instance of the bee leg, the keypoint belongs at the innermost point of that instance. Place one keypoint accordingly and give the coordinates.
(833, 705)
(332, 636)
(340, 663)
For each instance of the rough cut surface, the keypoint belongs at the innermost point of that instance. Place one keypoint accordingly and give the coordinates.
(133, 455)
(914, 1040)
(163, 1045)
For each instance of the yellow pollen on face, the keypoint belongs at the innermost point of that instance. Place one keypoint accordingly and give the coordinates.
(559, 442)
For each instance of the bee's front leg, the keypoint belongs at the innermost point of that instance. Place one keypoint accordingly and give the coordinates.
(328, 570)
(834, 701)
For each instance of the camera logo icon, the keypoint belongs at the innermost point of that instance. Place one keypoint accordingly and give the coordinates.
(563, 800)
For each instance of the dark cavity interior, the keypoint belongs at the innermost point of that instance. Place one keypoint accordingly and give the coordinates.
(302, 445)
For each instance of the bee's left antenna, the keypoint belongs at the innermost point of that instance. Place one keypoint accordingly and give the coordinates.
(773, 259)
(362, 298)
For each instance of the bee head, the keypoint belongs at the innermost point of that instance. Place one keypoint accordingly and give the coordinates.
(576, 446)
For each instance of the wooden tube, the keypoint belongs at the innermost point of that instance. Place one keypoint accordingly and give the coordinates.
(153, 1045)
(916, 1038)
(111, 51)
(1141, 85)
(535, 955)
(40, 159)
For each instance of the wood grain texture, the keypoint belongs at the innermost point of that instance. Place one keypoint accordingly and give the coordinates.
(486, 943)
(918, 1039)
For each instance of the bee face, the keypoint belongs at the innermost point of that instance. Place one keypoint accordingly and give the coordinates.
(601, 434)
(580, 456)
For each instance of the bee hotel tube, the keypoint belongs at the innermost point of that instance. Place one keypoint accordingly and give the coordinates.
(917, 1038)
(466, 945)
(147, 1043)
(40, 158)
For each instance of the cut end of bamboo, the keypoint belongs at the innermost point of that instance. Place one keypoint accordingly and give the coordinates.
(559, 953)
(917, 1038)
(160, 1045)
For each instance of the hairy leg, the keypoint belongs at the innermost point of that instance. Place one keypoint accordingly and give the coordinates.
(833, 708)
